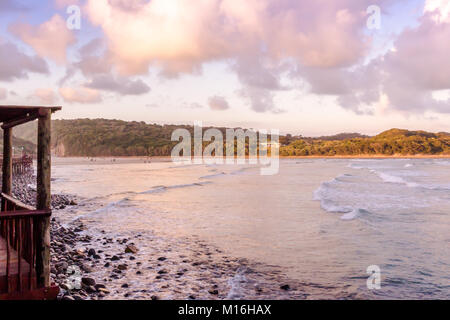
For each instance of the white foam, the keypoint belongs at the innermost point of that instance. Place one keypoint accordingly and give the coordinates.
(353, 214)
(389, 178)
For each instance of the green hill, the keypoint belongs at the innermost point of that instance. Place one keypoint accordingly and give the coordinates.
(102, 137)
(391, 142)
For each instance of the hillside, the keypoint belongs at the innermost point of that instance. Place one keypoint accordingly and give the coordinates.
(101, 137)
(19, 143)
(391, 142)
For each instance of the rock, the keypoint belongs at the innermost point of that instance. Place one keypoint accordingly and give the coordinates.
(88, 281)
(115, 258)
(86, 268)
(122, 267)
(91, 252)
(103, 290)
(162, 259)
(285, 287)
(154, 298)
(69, 298)
(66, 286)
(91, 289)
(213, 292)
(131, 249)
(62, 266)
(162, 271)
(98, 286)
(125, 285)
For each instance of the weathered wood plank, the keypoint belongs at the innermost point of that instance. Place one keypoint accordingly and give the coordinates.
(7, 163)
(14, 263)
(43, 198)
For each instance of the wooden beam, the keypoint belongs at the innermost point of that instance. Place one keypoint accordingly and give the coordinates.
(14, 215)
(17, 203)
(43, 201)
(15, 122)
(7, 164)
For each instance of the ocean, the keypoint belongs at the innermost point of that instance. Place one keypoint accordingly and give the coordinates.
(322, 222)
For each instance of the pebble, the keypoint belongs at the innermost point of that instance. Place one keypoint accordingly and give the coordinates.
(131, 249)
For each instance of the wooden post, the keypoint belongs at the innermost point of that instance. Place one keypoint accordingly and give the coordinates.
(7, 164)
(43, 200)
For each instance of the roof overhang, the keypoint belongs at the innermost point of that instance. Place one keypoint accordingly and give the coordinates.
(11, 116)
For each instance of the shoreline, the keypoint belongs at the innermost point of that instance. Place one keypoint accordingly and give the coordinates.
(123, 159)
(90, 264)
(370, 157)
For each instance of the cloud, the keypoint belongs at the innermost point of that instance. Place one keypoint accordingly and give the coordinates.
(407, 76)
(15, 64)
(11, 5)
(3, 94)
(80, 95)
(121, 85)
(257, 37)
(65, 3)
(172, 34)
(45, 96)
(50, 39)
(439, 10)
(218, 103)
(95, 66)
(259, 78)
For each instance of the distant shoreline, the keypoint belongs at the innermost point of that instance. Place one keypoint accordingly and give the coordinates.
(284, 157)
(159, 159)
(431, 156)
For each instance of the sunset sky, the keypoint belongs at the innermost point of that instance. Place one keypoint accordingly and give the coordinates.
(304, 67)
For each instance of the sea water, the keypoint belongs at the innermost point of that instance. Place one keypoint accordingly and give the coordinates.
(323, 222)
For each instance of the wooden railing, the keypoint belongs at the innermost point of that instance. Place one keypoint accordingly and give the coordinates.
(18, 228)
(20, 165)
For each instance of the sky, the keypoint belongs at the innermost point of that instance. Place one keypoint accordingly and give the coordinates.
(303, 67)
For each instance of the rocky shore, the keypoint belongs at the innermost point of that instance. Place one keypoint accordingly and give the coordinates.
(68, 268)
(92, 264)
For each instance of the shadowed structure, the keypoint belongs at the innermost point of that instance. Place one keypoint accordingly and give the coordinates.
(24, 230)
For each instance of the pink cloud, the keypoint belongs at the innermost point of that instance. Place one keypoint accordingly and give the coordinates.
(14, 64)
(50, 39)
(256, 36)
(218, 103)
(45, 96)
(65, 3)
(80, 95)
(407, 76)
(172, 34)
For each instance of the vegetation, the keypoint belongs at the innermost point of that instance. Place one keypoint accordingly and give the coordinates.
(19, 145)
(391, 142)
(101, 137)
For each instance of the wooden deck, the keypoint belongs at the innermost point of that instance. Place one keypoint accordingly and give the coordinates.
(13, 282)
